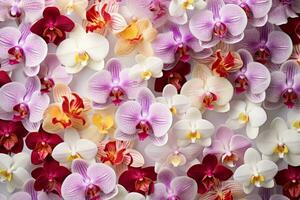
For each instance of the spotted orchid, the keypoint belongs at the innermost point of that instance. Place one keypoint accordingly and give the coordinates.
(24, 103)
(282, 10)
(218, 22)
(178, 8)
(255, 172)
(19, 48)
(143, 118)
(82, 49)
(246, 114)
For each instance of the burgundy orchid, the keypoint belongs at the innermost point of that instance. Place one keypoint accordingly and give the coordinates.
(289, 179)
(174, 76)
(53, 26)
(50, 177)
(4, 78)
(292, 28)
(139, 180)
(11, 136)
(41, 143)
(209, 174)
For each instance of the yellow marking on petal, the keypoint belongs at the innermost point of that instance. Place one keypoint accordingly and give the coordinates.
(103, 123)
(188, 4)
(70, 7)
(193, 136)
(173, 110)
(243, 118)
(296, 124)
(82, 58)
(131, 32)
(281, 150)
(70, 158)
(6, 175)
(175, 160)
(146, 75)
(257, 180)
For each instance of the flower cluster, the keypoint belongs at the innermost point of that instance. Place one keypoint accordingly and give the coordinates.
(150, 99)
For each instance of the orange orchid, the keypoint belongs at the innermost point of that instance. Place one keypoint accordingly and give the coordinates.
(69, 110)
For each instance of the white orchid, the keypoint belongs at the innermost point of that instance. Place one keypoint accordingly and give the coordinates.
(13, 170)
(73, 147)
(124, 195)
(246, 114)
(146, 68)
(255, 172)
(177, 103)
(178, 8)
(193, 129)
(280, 142)
(73, 6)
(293, 119)
(82, 49)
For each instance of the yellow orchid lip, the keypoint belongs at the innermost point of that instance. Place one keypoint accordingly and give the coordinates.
(244, 118)
(188, 4)
(6, 175)
(104, 124)
(72, 157)
(257, 180)
(146, 75)
(193, 136)
(173, 110)
(296, 124)
(281, 150)
(82, 58)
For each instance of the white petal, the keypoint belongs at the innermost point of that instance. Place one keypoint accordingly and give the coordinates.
(175, 9)
(66, 52)
(293, 159)
(193, 114)
(257, 116)
(95, 45)
(252, 132)
(61, 152)
(21, 160)
(86, 149)
(71, 136)
(267, 141)
(243, 174)
(267, 168)
(252, 156)
(20, 176)
(237, 107)
(169, 91)
(220, 87)
(96, 65)
(5, 161)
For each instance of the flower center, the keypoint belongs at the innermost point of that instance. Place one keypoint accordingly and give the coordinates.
(132, 33)
(223, 64)
(5, 175)
(173, 110)
(209, 100)
(157, 9)
(247, 10)
(281, 150)
(262, 55)
(15, 11)
(21, 111)
(230, 159)
(183, 53)
(144, 184)
(296, 124)
(146, 75)
(175, 79)
(43, 150)
(82, 58)
(188, 4)
(257, 180)
(144, 129)
(72, 157)
(47, 84)
(176, 159)
(194, 136)
(290, 97)
(220, 29)
(209, 181)
(243, 118)
(241, 84)
(92, 192)
(51, 33)
(15, 55)
(8, 141)
(118, 95)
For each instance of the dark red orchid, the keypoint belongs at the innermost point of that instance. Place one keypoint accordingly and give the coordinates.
(289, 179)
(49, 178)
(4, 78)
(41, 143)
(11, 136)
(292, 28)
(53, 26)
(139, 180)
(209, 174)
(174, 76)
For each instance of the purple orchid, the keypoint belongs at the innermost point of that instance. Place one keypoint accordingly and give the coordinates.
(112, 85)
(52, 72)
(24, 103)
(97, 181)
(256, 11)
(218, 22)
(178, 44)
(144, 118)
(253, 78)
(169, 186)
(229, 147)
(284, 86)
(19, 47)
(267, 45)
(282, 10)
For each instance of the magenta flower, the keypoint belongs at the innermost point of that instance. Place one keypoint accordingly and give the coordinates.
(23, 103)
(218, 22)
(228, 147)
(4, 78)
(19, 47)
(143, 118)
(178, 44)
(282, 10)
(253, 78)
(267, 45)
(112, 85)
(284, 86)
(170, 186)
(97, 181)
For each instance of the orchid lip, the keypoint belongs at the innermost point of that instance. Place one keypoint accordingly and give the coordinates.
(241, 83)
(21, 111)
(16, 55)
(144, 129)
(247, 10)
(290, 97)
(15, 11)
(220, 29)
(118, 95)
(262, 55)
(92, 192)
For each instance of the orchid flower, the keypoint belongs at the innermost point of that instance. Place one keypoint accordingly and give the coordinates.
(119, 155)
(193, 129)
(280, 142)
(255, 172)
(96, 181)
(13, 170)
(19, 47)
(26, 10)
(77, 7)
(178, 44)
(49, 177)
(11, 136)
(124, 195)
(177, 103)
(253, 78)
(218, 22)
(284, 86)
(170, 186)
(267, 45)
(256, 11)
(143, 118)
(139, 180)
(82, 49)
(53, 26)
(146, 68)
(51, 73)
(282, 10)
(74, 148)
(24, 103)
(209, 174)
(289, 179)
(4, 78)
(209, 93)
(178, 8)
(292, 28)
(246, 114)
(41, 143)
(112, 85)
(227, 146)
(138, 36)
(68, 110)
